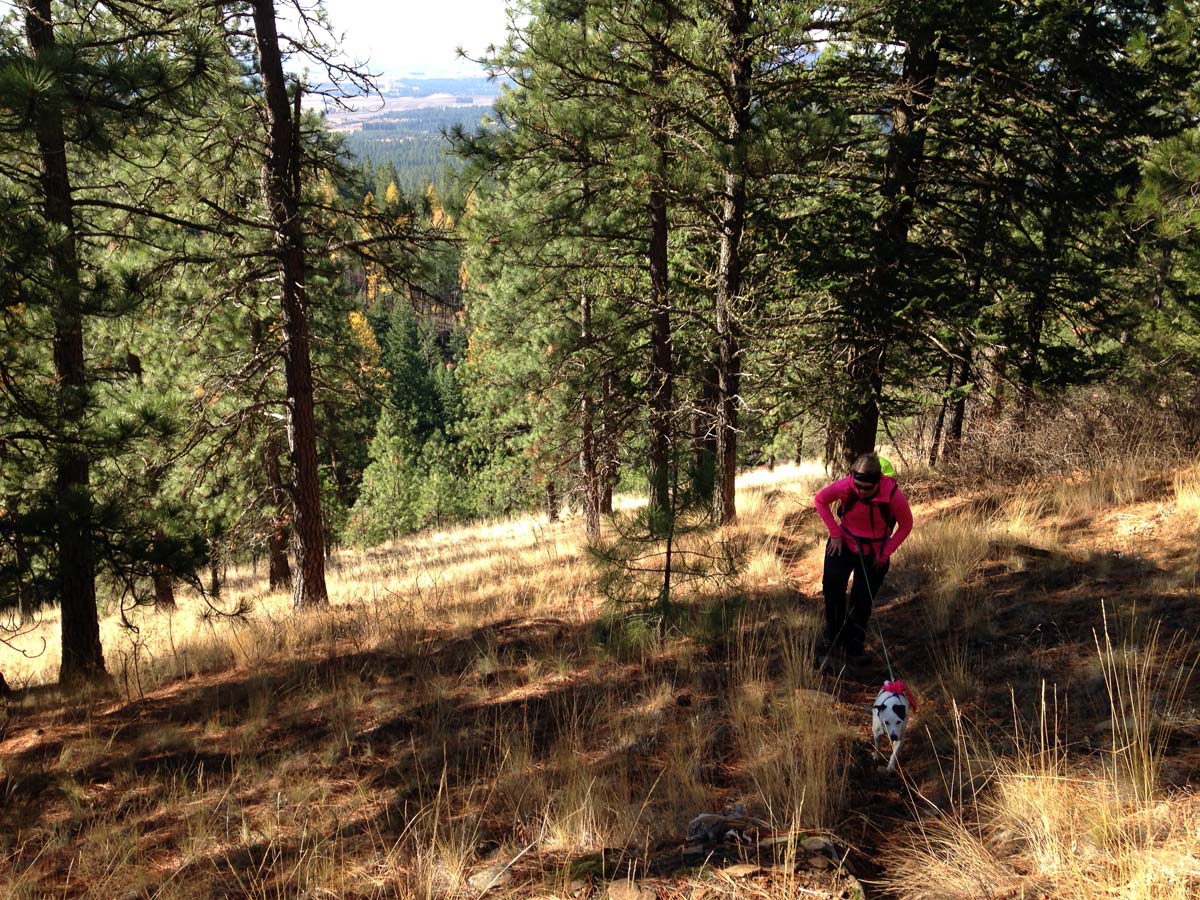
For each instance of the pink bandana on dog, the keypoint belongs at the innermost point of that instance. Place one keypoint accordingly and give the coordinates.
(899, 687)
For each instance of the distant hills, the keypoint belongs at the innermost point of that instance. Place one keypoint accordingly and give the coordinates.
(401, 127)
(420, 86)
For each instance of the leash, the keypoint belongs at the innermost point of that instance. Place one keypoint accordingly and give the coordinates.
(878, 628)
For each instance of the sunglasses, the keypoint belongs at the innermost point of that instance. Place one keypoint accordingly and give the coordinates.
(867, 477)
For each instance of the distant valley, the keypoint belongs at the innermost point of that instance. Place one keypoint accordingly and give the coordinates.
(402, 94)
(400, 129)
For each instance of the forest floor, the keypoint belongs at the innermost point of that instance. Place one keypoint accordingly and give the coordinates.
(465, 720)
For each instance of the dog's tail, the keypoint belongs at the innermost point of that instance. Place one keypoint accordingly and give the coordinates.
(899, 687)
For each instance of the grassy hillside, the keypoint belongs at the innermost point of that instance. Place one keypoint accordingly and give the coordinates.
(467, 719)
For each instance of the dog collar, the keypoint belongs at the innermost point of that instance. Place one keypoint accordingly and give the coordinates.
(900, 689)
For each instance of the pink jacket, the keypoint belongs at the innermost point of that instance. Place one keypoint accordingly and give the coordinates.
(865, 519)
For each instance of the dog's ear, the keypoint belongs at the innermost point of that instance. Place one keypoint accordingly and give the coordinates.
(881, 706)
(900, 710)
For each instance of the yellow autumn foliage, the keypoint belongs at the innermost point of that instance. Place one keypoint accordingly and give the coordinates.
(363, 336)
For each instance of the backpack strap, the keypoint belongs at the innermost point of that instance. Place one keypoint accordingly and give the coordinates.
(885, 510)
(877, 502)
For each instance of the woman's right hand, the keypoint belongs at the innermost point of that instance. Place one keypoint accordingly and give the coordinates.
(834, 547)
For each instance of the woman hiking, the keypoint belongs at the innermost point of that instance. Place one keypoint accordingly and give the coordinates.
(874, 521)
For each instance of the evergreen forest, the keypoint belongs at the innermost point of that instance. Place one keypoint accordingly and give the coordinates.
(409, 148)
(687, 239)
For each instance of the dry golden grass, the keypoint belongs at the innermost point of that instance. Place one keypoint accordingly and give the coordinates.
(458, 717)
(454, 710)
(1046, 826)
(1122, 481)
(950, 555)
(1187, 496)
(949, 552)
(384, 595)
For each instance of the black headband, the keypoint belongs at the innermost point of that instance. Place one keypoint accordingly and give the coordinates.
(868, 477)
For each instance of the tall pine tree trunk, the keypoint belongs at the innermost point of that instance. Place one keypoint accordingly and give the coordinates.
(588, 463)
(936, 442)
(865, 383)
(958, 416)
(704, 440)
(872, 310)
(279, 573)
(164, 589)
(729, 264)
(82, 655)
(609, 461)
(214, 570)
(1030, 371)
(281, 191)
(279, 570)
(21, 559)
(661, 381)
(999, 378)
(164, 584)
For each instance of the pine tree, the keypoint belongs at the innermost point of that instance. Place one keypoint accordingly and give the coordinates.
(388, 503)
(589, 122)
(966, 218)
(76, 89)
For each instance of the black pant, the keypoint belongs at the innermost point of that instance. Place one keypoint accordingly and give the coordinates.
(849, 627)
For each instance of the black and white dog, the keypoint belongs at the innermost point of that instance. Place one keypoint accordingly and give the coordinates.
(890, 716)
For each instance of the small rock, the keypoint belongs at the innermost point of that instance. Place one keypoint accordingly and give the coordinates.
(492, 876)
(780, 841)
(741, 870)
(817, 845)
(818, 862)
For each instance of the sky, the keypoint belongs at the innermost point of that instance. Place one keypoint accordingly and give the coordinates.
(404, 36)
(398, 37)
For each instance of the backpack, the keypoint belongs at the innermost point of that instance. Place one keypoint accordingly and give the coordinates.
(884, 507)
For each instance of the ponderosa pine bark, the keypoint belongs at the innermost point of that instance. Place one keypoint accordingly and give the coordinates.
(21, 558)
(588, 463)
(868, 317)
(954, 434)
(607, 444)
(82, 655)
(660, 382)
(281, 193)
(279, 572)
(729, 265)
(164, 581)
(935, 443)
